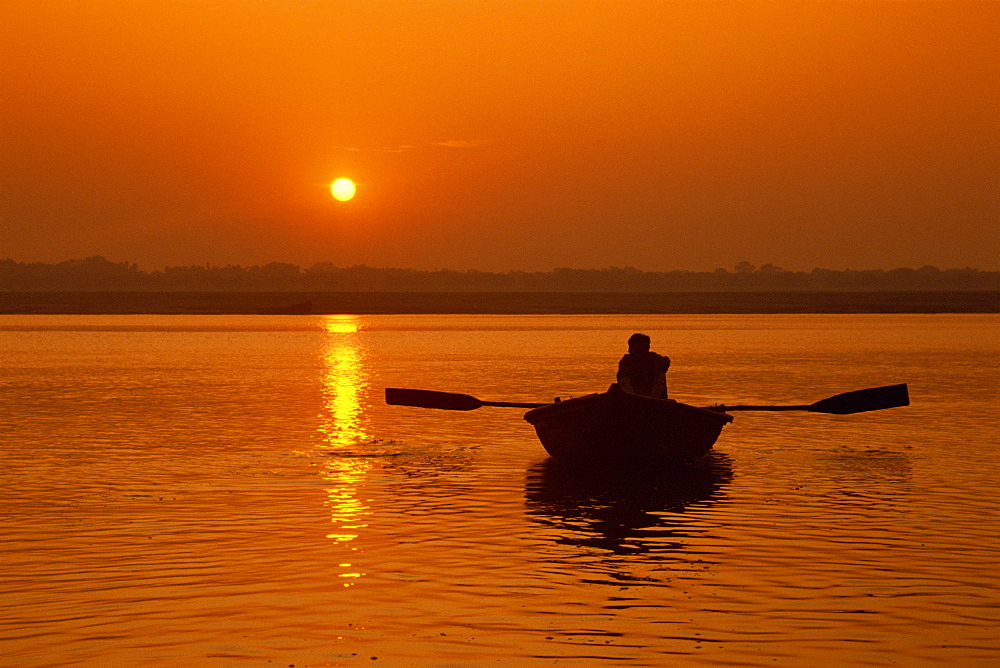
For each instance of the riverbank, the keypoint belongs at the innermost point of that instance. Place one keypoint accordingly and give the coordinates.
(82, 303)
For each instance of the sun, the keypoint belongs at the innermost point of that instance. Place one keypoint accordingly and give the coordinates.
(342, 189)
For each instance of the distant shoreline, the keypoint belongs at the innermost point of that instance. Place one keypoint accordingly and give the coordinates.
(497, 303)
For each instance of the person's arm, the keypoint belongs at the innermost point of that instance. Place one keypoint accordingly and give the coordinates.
(663, 363)
(623, 377)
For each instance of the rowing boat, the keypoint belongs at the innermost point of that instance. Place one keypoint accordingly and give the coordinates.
(618, 427)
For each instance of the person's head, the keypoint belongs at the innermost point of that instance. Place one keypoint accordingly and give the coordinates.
(638, 343)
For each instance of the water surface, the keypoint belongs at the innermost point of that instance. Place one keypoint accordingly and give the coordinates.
(232, 490)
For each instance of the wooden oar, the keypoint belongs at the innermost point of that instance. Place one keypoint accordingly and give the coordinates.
(859, 401)
(448, 401)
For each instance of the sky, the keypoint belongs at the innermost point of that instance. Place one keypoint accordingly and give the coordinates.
(501, 135)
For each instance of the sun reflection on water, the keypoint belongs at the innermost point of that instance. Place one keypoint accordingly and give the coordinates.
(344, 381)
(342, 426)
(340, 324)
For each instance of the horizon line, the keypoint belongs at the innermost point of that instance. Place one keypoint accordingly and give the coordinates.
(740, 267)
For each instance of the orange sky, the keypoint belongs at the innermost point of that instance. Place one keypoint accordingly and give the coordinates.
(502, 134)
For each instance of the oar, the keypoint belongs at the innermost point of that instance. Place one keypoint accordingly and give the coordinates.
(448, 401)
(859, 401)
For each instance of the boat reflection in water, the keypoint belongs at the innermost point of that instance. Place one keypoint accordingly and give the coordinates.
(623, 511)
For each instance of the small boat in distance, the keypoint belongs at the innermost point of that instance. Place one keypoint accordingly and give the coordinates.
(301, 308)
(616, 427)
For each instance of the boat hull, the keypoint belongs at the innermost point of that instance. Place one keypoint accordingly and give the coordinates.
(617, 427)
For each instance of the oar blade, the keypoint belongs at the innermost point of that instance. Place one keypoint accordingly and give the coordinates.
(859, 401)
(448, 401)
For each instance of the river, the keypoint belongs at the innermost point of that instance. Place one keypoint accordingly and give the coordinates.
(233, 490)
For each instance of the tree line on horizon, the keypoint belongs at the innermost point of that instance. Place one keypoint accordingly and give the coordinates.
(99, 274)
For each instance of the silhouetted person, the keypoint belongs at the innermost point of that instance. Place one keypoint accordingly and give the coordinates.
(641, 371)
